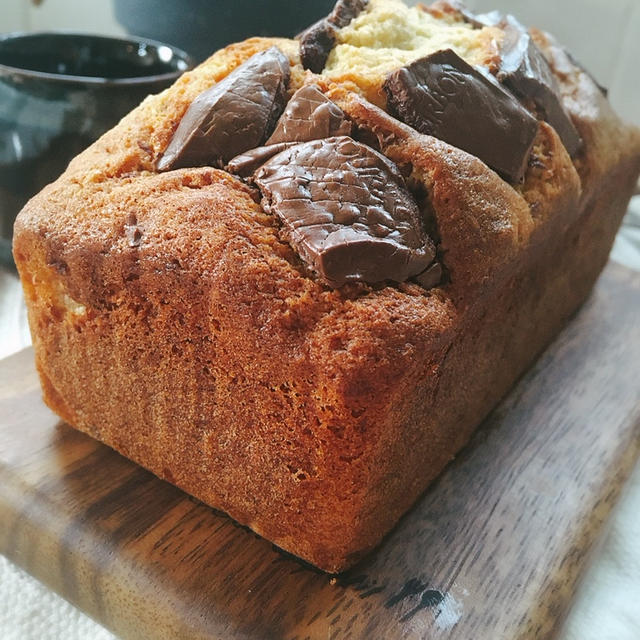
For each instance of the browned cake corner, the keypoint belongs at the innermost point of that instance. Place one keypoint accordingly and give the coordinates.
(176, 319)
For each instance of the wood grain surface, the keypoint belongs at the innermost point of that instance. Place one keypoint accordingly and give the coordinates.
(493, 550)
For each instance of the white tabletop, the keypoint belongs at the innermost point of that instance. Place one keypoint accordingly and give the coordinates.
(606, 607)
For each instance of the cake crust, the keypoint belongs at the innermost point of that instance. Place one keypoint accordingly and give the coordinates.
(172, 322)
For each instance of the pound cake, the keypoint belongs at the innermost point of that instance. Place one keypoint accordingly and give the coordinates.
(294, 283)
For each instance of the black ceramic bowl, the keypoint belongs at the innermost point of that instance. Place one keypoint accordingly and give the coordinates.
(58, 93)
(203, 26)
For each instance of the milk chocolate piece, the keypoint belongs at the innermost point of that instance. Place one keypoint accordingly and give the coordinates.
(526, 72)
(234, 115)
(317, 41)
(247, 163)
(310, 115)
(345, 209)
(443, 96)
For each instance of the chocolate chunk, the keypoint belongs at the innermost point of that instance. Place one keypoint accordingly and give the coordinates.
(317, 41)
(310, 115)
(345, 209)
(345, 11)
(316, 44)
(457, 8)
(430, 277)
(524, 69)
(247, 163)
(443, 96)
(526, 72)
(234, 115)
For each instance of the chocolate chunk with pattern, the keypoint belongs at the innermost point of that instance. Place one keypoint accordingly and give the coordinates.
(346, 210)
(234, 115)
(310, 115)
(443, 96)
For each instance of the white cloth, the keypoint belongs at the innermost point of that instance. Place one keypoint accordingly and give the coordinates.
(607, 604)
(606, 607)
(30, 611)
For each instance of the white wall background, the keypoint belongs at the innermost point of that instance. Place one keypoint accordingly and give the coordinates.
(95, 16)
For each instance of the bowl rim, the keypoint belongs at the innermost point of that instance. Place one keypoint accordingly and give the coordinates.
(64, 78)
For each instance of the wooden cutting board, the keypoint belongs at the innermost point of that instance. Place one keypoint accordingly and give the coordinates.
(492, 551)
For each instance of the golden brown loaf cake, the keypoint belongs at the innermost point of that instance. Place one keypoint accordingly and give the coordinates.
(190, 319)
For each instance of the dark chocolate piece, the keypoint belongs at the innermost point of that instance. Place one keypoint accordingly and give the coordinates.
(526, 72)
(345, 209)
(234, 115)
(430, 277)
(455, 7)
(310, 115)
(247, 163)
(443, 96)
(316, 44)
(345, 11)
(317, 41)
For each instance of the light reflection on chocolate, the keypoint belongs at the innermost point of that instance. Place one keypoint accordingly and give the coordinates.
(234, 115)
(526, 72)
(310, 115)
